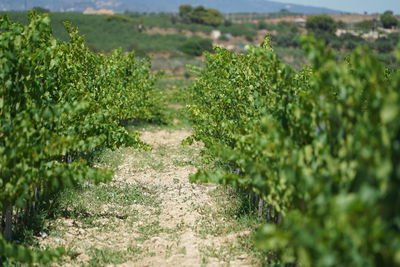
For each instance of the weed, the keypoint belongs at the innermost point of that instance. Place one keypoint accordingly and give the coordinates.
(149, 230)
(101, 257)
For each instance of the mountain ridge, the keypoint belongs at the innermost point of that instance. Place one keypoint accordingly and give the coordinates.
(171, 6)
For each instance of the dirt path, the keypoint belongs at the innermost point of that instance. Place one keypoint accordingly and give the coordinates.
(150, 214)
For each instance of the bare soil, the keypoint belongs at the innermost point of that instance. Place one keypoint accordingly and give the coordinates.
(174, 222)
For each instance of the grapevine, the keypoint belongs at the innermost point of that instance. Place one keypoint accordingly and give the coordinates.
(321, 146)
(60, 102)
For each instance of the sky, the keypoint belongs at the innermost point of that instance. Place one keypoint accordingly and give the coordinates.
(357, 6)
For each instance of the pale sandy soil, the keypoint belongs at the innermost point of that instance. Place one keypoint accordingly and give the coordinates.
(180, 225)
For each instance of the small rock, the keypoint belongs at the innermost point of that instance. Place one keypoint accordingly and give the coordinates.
(81, 231)
(68, 223)
(77, 252)
(59, 240)
(83, 258)
(43, 234)
(155, 239)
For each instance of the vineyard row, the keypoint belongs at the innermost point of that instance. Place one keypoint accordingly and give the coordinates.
(59, 103)
(320, 146)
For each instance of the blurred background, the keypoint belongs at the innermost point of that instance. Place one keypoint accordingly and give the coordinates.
(176, 33)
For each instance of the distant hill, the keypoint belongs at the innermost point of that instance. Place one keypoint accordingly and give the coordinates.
(226, 6)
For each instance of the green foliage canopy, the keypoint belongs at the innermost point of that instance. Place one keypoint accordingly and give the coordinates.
(321, 24)
(41, 10)
(321, 145)
(200, 15)
(196, 46)
(59, 102)
(389, 20)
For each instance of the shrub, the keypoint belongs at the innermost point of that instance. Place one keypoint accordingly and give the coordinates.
(394, 37)
(350, 41)
(387, 44)
(196, 47)
(287, 27)
(262, 25)
(286, 40)
(119, 17)
(336, 43)
(223, 37)
(384, 45)
(326, 37)
(249, 37)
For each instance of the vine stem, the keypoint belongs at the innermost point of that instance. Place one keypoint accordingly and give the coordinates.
(8, 223)
(260, 207)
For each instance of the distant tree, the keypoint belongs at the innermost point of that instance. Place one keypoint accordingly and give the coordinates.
(366, 25)
(228, 23)
(41, 10)
(213, 17)
(174, 19)
(341, 24)
(321, 25)
(200, 15)
(185, 12)
(389, 20)
(262, 25)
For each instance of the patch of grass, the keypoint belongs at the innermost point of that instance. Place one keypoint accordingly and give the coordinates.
(109, 159)
(111, 194)
(101, 257)
(134, 250)
(33, 225)
(157, 166)
(182, 251)
(123, 195)
(90, 205)
(187, 156)
(222, 253)
(162, 157)
(104, 256)
(150, 160)
(204, 261)
(230, 215)
(149, 230)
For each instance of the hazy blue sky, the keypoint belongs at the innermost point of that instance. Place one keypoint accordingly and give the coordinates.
(358, 6)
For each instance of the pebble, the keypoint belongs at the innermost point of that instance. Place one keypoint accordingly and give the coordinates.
(43, 234)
